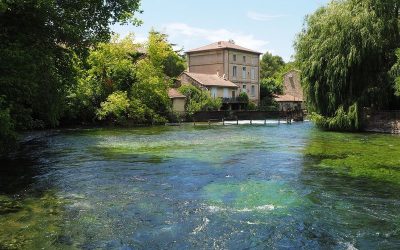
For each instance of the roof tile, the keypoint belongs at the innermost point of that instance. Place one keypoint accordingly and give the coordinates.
(209, 80)
(174, 93)
(222, 45)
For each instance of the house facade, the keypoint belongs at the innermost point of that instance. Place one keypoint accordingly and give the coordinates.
(178, 101)
(225, 69)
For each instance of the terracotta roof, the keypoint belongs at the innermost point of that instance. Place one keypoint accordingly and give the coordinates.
(174, 93)
(222, 45)
(209, 80)
(287, 98)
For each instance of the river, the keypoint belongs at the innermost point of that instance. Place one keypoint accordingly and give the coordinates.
(200, 187)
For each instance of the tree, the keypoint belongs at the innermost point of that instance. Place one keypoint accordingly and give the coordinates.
(114, 72)
(38, 42)
(198, 100)
(162, 55)
(270, 65)
(268, 88)
(345, 51)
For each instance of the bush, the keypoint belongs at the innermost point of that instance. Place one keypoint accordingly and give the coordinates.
(342, 121)
(8, 137)
(244, 97)
(198, 100)
(115, 108)
(251, 106)
(119, 109)
(268, 104)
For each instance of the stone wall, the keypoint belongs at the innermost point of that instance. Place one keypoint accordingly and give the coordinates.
(382, 121)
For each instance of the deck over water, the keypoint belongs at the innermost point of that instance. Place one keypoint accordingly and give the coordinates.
(203, 187)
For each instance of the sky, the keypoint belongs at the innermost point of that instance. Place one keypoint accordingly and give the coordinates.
(261, 25)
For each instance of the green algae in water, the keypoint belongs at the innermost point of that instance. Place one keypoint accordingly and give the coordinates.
(252, 196)
(369, 156)
(210, 147)
(30, 223)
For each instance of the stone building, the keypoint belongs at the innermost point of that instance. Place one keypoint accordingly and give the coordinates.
(292, 98)
(178, 101)
(225, 69)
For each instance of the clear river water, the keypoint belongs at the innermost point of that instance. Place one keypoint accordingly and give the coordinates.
(200, 187)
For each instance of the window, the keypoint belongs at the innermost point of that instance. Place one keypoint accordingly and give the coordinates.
(244, 88)
(244, 59)
(234, 58)
(233, 94)
(253, 73)
(244, 73)
(253, 90)
(234, 72)
(213, 92)
(226, 93)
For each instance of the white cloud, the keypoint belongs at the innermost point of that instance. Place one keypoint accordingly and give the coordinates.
(262, 17)
(190, 35)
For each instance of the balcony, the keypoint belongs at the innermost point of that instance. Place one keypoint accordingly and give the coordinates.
(233, 100)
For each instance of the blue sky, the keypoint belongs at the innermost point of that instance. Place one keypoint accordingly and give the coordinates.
(262, 25)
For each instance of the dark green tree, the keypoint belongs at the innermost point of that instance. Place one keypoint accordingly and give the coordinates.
(345, 52)
(38, 41)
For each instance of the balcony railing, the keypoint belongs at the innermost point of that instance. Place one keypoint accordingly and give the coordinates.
(233, 100)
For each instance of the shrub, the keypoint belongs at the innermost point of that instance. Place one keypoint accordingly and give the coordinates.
(244, 97)
(342, 121)
(251, 106)
(198, 100)
(8, 137)
(115, 107)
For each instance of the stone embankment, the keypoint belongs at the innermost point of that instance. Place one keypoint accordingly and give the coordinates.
(382, 121)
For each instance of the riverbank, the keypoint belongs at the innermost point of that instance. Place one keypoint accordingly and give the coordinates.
(382, 121)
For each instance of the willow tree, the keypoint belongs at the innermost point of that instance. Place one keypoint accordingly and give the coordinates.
(345, 51)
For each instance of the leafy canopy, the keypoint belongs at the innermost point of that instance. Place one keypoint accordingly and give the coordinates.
(345, 51)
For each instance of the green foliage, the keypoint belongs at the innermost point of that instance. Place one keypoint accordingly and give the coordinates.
(251, 106)
(115, 107)
(345, 51)
(269, 87)
(39, 40)
(268, 104)
(341, 121)
(199, 100)
(162, 55)
(121, 110)
(244, 97)
(272, 72)
(7, 135)
(108, 68)
(116, 75)
(395, 74)
(270, 65)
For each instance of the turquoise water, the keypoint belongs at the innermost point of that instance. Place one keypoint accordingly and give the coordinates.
(218, 187)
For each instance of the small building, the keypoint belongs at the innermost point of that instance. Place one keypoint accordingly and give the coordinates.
(178, 101)
(288, 102)
(217, 85)
(292, 97)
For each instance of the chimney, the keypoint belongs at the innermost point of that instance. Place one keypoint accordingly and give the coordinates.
(219, 44)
